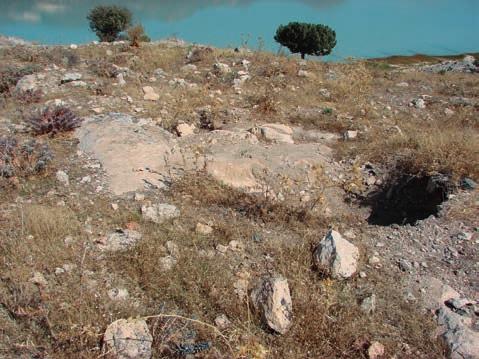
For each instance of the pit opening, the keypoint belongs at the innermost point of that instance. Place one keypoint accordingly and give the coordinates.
(406, 199)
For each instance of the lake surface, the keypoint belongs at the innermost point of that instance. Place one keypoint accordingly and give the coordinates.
(365, 28)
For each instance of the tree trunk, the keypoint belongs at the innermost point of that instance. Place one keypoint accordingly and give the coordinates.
(303, 55)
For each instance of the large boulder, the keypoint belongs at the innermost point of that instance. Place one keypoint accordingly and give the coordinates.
(272, 299)
(128, 339)
(336, 257)
(460, 337)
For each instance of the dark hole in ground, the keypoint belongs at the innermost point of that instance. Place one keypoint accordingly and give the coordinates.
(407, 199)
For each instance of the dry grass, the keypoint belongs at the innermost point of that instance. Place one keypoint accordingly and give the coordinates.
(67, 317)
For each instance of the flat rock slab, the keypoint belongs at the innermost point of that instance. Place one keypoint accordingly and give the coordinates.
(134, 152)
(131, 154)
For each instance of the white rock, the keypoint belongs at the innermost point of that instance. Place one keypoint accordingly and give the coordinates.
(73, 46)
(121, 79)
(150, 94)
(276, 132)
(222, 68)
(173, 249)
(115, 206)
(402, 84)
(203, 229)
(120, 240)
(39, 279)
(63, 178)
(184, 129)
(167, 263)
(448, 112)
(419, 103)
(222, 322)
(368, 305)
(189, 68)
(376, 350)
(350, 135)
(304, 73)
(336, 256)
(71, 77)
(160, 212)
(139, 197)
(272, 299)
(128, 339)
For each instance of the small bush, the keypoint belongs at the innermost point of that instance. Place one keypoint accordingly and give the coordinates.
(136, 35)
(53, 121)
(22, 160)
(307, 39)
(107, 22)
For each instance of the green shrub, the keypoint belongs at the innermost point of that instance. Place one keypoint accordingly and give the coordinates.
(306, 39)
(107, 22)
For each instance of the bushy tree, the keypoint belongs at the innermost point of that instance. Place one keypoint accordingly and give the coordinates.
(107, 22)
(306, 39)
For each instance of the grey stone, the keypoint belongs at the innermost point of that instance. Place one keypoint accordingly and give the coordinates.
(128, 339)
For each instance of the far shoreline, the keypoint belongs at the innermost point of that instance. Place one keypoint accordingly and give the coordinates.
(398, 59)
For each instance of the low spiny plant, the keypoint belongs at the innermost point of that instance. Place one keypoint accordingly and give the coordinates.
(53, 121)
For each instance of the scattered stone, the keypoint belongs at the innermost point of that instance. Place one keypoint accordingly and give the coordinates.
(405, 265)
(118, 294)
(304, 73)
(150, 94)
(128, 339)
(222, 322)
(272, 299)
(86, 179)
(73, 46)
(402, 84)
(221, 248)
(120, 240)
(63, 178)
(160, 212)
(184, 129)
(336, 257)
(469, 184)
(39, 279)
(221, 68)
(368, 305)
(448, 112)
(71, 77)
(418, 103)
(203, 229)
(121, 79)
(467, 65)
(374, 261)
(350, 135)
(376, 350)
(139, 197)
(173, 249)
(189, 68)
(325, 93)
(115, 206)
(167, 263)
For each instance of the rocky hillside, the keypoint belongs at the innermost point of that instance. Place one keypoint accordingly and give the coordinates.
(183, 201)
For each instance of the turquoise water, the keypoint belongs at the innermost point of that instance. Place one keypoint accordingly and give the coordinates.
(365, 28)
